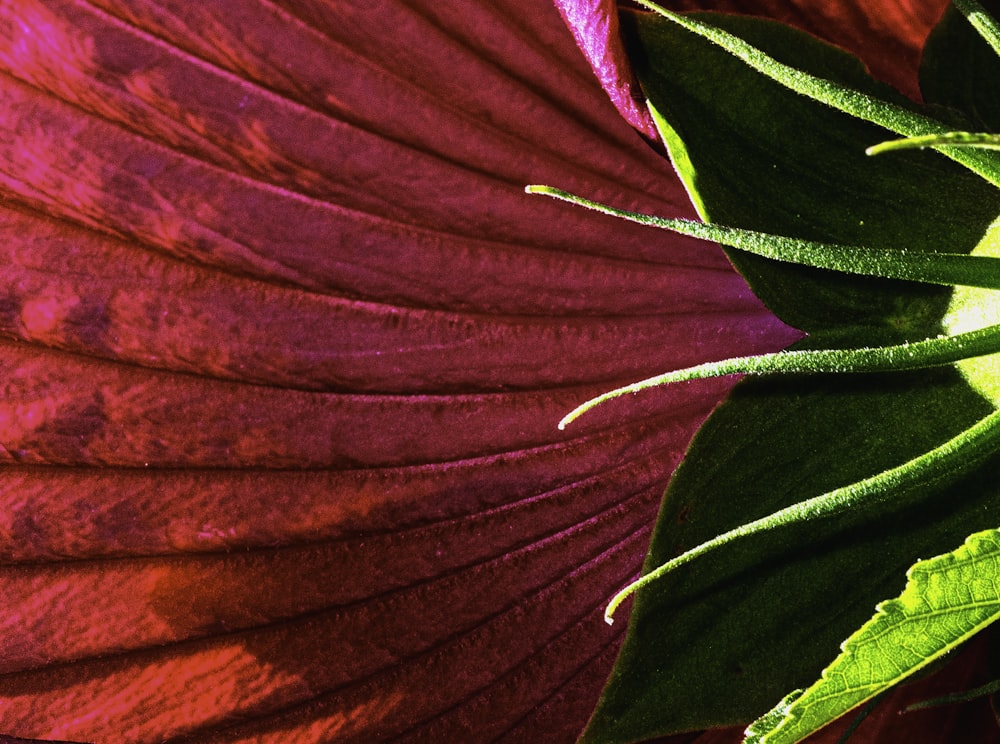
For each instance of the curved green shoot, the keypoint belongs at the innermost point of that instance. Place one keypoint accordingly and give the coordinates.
(947, 600)
(860, 105)
(989, 688)
(982, 21)
(982, 140)
(954, 456)
(914, 355)
(949, 269)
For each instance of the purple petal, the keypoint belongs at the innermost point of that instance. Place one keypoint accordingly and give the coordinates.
(594, 24)
(284, 347)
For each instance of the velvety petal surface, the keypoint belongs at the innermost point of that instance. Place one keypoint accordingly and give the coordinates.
(595, 27)
(283, 346)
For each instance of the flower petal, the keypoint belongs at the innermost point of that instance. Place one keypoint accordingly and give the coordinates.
(594, 24)
(284, 349)
(889, 38)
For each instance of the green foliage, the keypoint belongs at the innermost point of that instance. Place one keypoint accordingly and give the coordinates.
(901, 119)
(946, 600)
(933, 267)
(826, 485)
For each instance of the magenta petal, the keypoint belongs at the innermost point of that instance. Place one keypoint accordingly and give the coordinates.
(594, 24)
(284, 346)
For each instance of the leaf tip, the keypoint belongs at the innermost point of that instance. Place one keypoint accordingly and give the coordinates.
(616, 600)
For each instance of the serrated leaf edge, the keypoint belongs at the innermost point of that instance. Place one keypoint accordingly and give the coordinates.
(768, 728)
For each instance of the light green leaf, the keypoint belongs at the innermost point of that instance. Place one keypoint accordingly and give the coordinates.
(947, 600)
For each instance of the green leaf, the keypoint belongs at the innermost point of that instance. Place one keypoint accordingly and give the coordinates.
(755, 155)
(959, 454)
(900, 119)
(959, 71)
(946, 601)
(981, 20)
(970, 308)
(719, 640)
(984, 140)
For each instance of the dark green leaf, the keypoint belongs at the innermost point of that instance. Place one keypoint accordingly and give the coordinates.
(897, 118)
(722, 639)
(761, 157)
(946, 601)
(960, 71)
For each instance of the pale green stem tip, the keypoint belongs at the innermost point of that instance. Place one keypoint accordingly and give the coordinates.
(982, 140)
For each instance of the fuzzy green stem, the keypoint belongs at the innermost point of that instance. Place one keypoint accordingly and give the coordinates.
(981, 21)
(954, 456)
(982, 140)
(860, 105)
(949, 269)
(930, 352)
